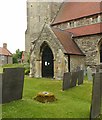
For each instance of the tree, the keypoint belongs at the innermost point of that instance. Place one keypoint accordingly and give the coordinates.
(17, 56)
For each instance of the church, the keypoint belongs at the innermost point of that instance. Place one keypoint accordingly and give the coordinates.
(63, 37)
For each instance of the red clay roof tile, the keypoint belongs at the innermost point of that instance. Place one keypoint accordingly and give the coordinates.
(74, 10)
(69, 45)
(86, 30)
(4, 51)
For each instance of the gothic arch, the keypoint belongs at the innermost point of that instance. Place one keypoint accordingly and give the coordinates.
(47, 58)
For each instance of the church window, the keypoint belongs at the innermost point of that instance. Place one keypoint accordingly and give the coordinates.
(71, 24)
(95, 19)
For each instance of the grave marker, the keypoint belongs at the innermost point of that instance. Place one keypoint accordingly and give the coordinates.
(89, 73)
(66, 80)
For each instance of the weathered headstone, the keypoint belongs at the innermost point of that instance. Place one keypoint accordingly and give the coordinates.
(80, 77)
(96, 97)
(1, 87)
(96, 107)
(89, 73)
(66, 80)
(74, 78)
(12, 84)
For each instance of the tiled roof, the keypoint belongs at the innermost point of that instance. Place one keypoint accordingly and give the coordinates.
(65, 39)
(86, 30)
(74, 10)
(4, 51)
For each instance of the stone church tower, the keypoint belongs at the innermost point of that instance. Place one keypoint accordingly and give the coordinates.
(38, 14)
(63, 37)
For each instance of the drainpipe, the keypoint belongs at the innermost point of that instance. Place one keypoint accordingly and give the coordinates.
(69, 62)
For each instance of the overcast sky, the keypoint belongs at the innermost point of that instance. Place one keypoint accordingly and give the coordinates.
(13, 24)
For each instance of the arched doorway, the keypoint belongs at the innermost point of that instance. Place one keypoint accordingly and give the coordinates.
(101, 53)
(47, 62)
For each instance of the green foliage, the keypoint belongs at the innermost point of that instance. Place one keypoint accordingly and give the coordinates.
(27, 68)
(17, 56)
(28, 57)
(72, 103)
(27, 71)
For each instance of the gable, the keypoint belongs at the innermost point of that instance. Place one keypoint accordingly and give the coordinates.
(5, 52)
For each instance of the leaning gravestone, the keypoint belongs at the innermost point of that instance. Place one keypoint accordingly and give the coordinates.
(12, 84)
(89, 73)
(66, 80)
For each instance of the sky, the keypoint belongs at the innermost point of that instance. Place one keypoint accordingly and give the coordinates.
(13, 24)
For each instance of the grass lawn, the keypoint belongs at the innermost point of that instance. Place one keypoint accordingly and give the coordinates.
(72, 103)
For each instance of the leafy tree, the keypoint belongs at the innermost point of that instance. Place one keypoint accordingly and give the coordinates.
(17, 56)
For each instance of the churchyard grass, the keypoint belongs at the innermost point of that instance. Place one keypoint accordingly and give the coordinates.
(72, 103)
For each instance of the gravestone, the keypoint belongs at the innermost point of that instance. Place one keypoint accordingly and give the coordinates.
(89, 73)
(1, 87)
(12, 84)
(80, 77)
(96, 106)
(96, 97)
(74, 76)
(66, 80)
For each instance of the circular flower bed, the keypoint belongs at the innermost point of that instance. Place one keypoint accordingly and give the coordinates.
(45, 97)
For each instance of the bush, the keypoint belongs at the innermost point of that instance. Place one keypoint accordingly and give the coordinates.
(27, 68)
(27, 71)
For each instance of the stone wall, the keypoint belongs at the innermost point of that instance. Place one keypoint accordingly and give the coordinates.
(90, 47)
(5, 60)
(77, 61)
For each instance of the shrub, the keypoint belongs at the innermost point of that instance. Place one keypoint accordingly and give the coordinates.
(27, 71)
